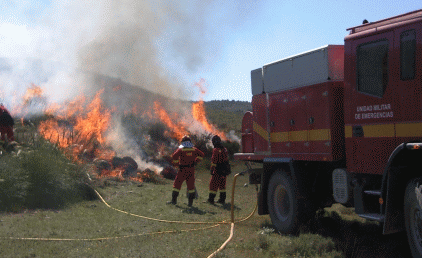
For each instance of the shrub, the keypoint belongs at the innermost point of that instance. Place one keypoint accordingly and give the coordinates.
(40, 178)
(232, 147)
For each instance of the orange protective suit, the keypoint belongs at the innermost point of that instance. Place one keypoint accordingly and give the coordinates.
(186, 158)
(218, 182)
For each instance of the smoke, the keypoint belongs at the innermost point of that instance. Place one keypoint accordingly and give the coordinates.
(233, 137)
(126, 146)
(151, 44)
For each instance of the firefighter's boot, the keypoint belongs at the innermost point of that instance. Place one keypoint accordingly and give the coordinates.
(211, 198)
(222, 199)
(173, 197)
(190, 199)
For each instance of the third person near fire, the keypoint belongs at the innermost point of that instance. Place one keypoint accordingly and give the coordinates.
(6, 124)
(220, 169)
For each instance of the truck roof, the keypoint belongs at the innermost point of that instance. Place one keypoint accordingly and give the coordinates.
(308, 68)
(395, 19)
(303, 53)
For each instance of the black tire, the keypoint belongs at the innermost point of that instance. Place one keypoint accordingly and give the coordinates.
(283, 205)
(413, 216)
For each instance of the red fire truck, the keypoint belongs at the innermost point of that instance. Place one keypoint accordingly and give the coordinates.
(342, 124)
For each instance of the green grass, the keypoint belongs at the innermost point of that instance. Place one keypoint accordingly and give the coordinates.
(330, 234)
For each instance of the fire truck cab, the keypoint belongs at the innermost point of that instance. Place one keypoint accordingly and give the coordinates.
(342, 124)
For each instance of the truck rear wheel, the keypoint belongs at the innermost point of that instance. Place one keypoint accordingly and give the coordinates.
(413, 216)
(282, 203)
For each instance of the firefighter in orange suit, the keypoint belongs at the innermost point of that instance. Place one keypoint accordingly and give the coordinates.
(6, 124)
(218, 181)
(186, 156)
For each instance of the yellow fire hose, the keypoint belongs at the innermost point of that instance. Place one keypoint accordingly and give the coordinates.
(188, 222)
(232, 218)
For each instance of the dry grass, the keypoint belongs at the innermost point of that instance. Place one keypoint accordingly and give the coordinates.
(337, 232)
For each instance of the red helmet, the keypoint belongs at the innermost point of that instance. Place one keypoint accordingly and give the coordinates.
(186, 138)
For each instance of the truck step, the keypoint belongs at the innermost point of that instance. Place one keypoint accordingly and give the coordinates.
(373, 192)
(372, 216)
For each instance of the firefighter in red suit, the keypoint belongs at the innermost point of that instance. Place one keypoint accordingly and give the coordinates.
(218, 181)
(186, 156)
(6, 124)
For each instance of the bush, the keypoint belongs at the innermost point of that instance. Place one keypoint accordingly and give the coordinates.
(232, 147)
(40, 178)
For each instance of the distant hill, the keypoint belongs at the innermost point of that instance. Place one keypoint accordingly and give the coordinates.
(227, 114)
(229, 105)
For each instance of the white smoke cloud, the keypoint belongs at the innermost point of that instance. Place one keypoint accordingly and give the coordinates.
(146, 43)
(125, 146)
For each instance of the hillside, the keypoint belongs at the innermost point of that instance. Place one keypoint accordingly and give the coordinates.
(227, 115)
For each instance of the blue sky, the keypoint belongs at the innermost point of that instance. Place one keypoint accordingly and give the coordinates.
(219, 41)
(285, 28)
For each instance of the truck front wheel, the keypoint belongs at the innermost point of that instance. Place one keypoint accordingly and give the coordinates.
(413, 216)
(282, 203)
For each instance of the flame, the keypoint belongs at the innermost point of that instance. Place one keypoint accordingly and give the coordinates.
(177, 130)
(80, 129)
(69, 110)
(76, 126)
(199, 114)
(33, 97)
(32, 93)
(96, 121)
(118, 173)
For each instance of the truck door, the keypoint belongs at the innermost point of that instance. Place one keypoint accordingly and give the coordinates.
(373, 104)
(409, 81)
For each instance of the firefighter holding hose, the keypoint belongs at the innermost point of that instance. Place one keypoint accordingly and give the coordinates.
(220, 169)
(186, 156)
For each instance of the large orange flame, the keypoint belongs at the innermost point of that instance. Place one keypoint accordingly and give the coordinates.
(177, 130)
(78, 128)
(96, 121)
(73, 125)
(199, 114)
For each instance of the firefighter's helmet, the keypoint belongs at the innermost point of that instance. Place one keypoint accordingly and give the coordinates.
(186, 138)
